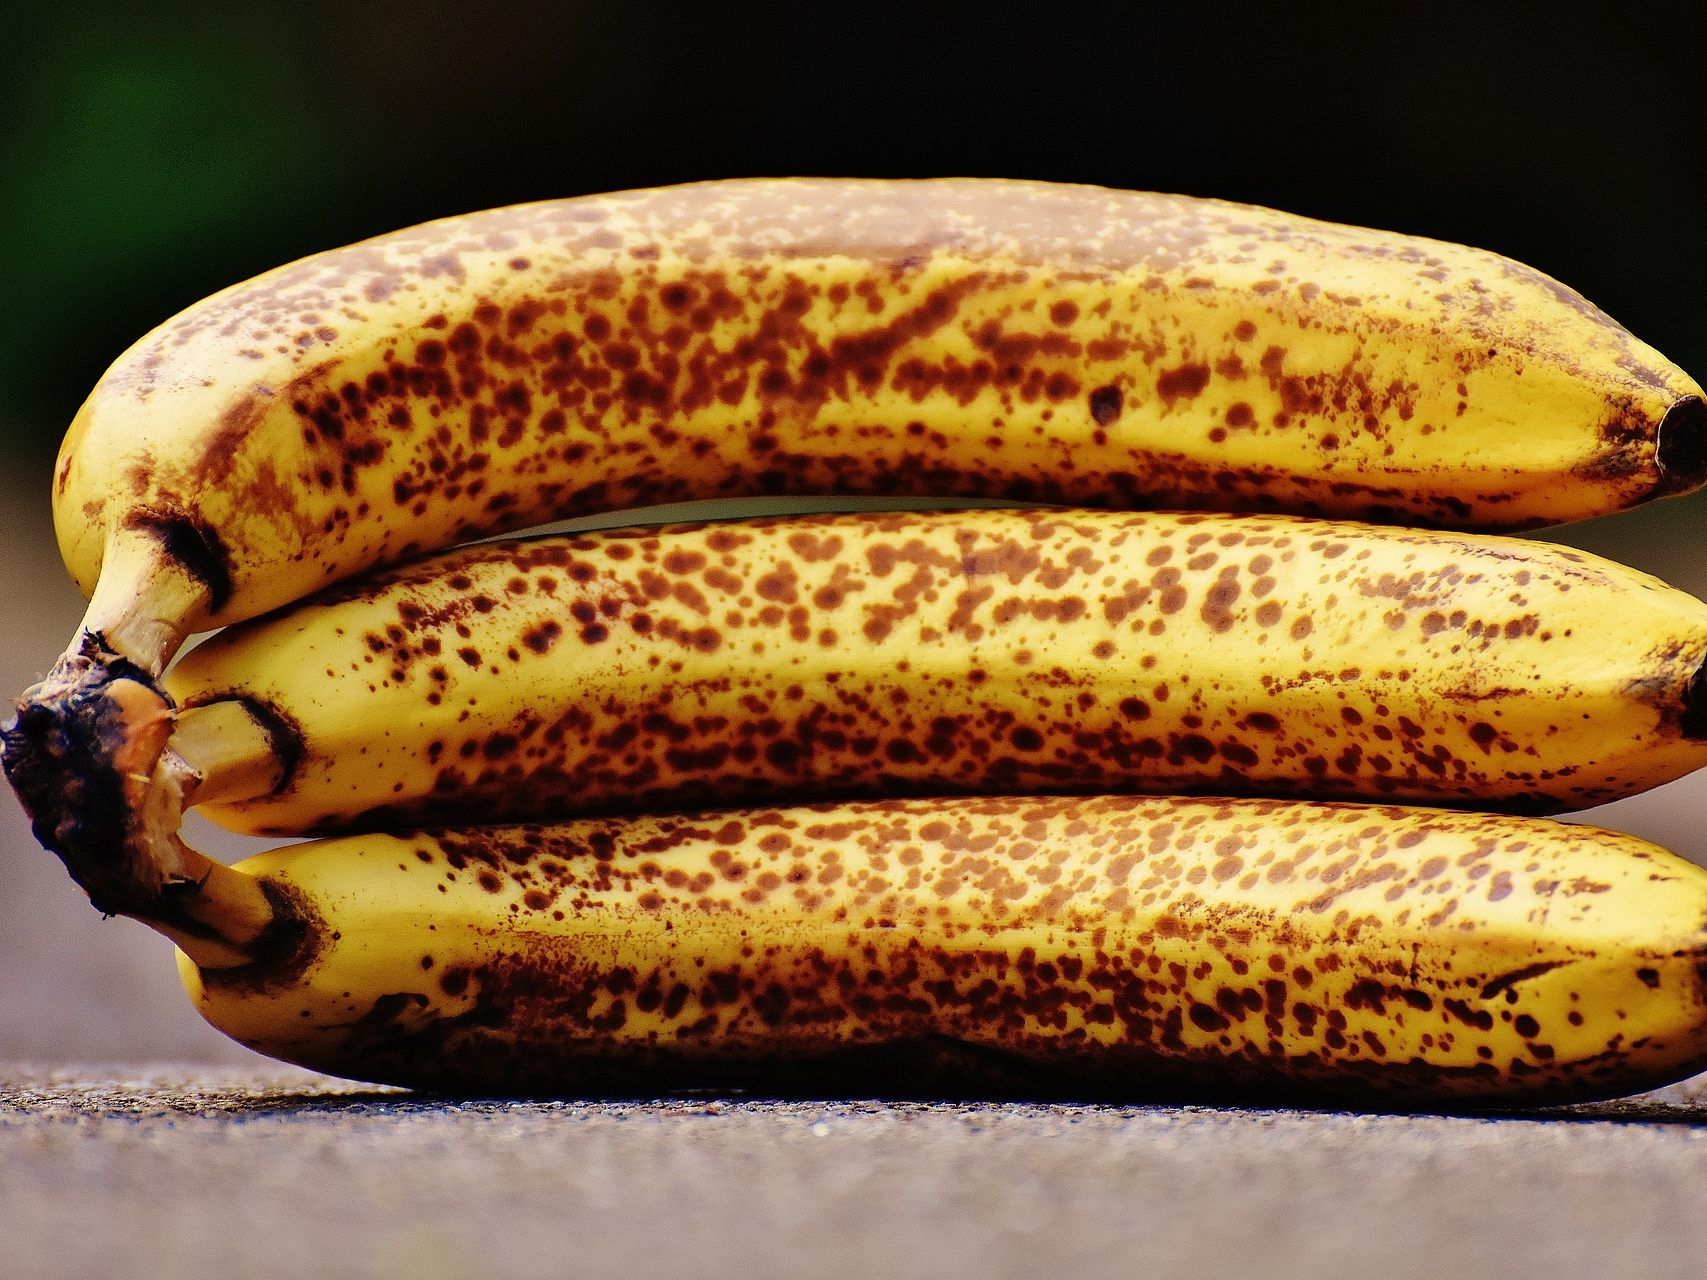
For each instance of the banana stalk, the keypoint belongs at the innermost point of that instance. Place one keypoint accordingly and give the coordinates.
(1261, 950)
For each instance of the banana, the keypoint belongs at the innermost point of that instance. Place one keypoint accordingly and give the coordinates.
(971, 651)
(1020, 340)
(1262, 949)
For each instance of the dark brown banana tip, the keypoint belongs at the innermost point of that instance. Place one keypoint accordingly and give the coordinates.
(1682, 446)
(74, 752)
(1692, 723)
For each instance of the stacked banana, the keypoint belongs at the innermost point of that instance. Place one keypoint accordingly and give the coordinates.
(1165, 780)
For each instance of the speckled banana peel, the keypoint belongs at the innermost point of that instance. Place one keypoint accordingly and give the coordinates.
(951, 652)
(1046, 343)
(1141, 947)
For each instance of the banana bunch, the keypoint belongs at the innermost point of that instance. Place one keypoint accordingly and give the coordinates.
(299, 458)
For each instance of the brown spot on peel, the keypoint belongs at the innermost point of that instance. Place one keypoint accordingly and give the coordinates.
(1105, 405)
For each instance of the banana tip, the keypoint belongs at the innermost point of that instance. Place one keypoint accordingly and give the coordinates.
(1682, 446)
(1693, 720)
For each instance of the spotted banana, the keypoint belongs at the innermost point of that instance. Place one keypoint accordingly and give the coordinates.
(1267, 949)
(973, 651)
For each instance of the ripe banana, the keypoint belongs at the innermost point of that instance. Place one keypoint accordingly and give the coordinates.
(1137, 946)
(973, 651)
(1057, 344)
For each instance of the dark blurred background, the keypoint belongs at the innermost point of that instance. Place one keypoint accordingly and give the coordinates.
(150, 155)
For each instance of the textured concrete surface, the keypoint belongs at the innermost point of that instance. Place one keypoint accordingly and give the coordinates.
(202, 1172)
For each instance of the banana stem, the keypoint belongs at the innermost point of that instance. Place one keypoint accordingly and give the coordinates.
(144, 600)
(219, 917)
(92, 756)
(105, 764)
(231, 750)
(88, 754)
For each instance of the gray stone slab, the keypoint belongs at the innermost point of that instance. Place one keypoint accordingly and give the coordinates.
(192, 1172)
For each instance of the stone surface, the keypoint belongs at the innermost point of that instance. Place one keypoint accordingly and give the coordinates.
(191, 1172)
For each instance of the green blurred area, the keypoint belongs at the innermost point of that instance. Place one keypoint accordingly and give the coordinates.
(152, 154)
(135, 165)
